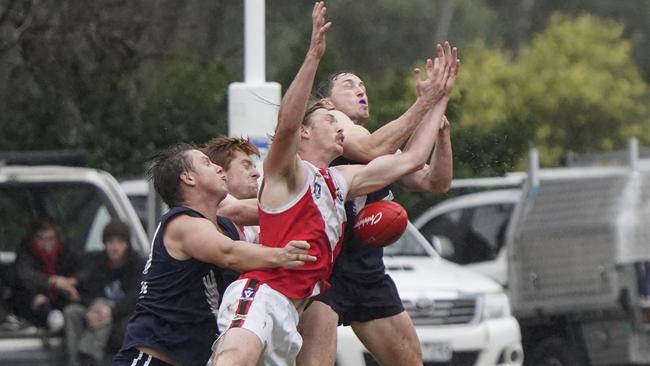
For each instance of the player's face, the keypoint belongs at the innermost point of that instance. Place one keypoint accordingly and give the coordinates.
(349, 96)
(325, 131)
(242, 176)
(208, 175)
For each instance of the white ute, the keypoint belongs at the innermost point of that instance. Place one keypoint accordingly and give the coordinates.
(461, 317)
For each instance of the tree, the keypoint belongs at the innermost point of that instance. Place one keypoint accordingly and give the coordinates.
(520, 20)
(116, 79)
(575, 87)
(184, 100)
(580, 88)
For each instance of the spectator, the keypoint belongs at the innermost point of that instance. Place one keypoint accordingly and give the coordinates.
(44, 275)
(109, 285)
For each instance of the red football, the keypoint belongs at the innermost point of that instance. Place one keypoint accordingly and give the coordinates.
(380, 223)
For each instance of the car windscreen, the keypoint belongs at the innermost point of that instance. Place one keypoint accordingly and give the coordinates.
(81, 209)
(411, 243)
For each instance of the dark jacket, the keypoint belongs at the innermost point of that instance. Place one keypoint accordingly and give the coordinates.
(120, 285)
(30, 279)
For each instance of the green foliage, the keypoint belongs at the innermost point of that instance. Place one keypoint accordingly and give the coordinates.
(581, 89)
(488, 134)
(109, 79)
(42, 116)
(126, 117)
(575, 88)
(373, 39)
(183, 101)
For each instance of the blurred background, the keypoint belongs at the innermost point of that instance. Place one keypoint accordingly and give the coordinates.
(120, 79)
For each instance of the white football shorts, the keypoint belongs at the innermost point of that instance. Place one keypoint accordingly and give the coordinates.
(248, 304)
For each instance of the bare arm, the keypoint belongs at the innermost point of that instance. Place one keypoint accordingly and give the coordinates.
(190, 237)
(242, 212)
(282, 158)
(363, 147)
(388, 168)
(434, 178)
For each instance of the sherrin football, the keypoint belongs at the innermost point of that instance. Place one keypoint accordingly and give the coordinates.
(380, 223)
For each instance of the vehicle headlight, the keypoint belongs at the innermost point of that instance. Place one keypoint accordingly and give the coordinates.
(495, 306)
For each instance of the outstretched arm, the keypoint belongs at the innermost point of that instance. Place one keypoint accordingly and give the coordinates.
(387, 169)
(190, 237)
(434, 178)
(362, 146)
(282, 157)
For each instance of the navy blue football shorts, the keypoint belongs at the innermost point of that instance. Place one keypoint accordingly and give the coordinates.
(362, 301)
(134, 357)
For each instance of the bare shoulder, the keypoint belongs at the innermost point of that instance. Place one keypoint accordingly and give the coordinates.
(179, 224)
(182, 229)
(282, 188)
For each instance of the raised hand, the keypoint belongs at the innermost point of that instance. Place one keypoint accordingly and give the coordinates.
(295, 254)
(441, 74)
(453, 72)
(318, 30)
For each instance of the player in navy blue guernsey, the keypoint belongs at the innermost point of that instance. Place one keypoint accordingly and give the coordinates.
(174, 322)
(362, 294)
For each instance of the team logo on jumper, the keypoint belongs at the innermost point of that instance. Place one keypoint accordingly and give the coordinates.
(317, 190)
(248, 293)
(211, 292)
(143, 288)
(339, 195)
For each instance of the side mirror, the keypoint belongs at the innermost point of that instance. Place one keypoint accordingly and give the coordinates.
(443, 246)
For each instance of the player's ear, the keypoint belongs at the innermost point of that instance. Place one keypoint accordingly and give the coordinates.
(305, 132)
(188, 178)
(327, 103)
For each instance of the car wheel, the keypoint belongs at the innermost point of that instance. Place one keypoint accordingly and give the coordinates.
(555, 351)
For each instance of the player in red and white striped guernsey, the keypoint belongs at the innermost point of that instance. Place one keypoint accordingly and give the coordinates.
(302, 198)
